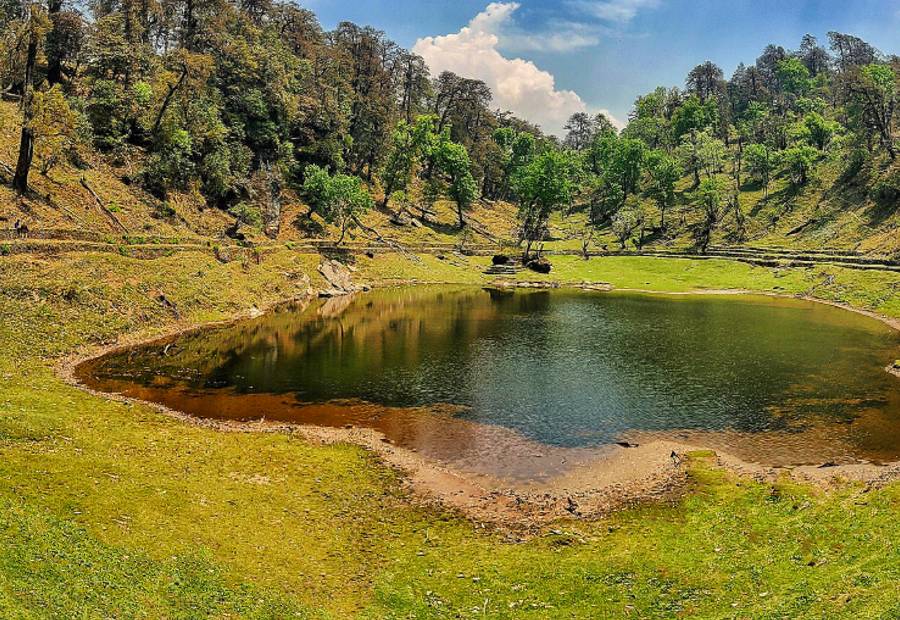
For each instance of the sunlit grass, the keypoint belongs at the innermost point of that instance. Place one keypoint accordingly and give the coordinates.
(113, 510)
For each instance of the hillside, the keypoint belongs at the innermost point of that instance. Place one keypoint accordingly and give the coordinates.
(229, 176)
(831, 213)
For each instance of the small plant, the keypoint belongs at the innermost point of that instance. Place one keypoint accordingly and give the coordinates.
(5, 249)
(163, 210)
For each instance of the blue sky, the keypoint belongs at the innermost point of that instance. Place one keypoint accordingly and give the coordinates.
(601, 54)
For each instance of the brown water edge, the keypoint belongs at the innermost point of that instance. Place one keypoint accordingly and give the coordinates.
(593, 484)
(498, 476)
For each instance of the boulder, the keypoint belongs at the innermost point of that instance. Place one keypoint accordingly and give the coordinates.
(337, 275)
(540, 265)
(400, 219)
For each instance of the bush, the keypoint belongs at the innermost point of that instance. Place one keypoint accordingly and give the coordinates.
(247, 214)
(799, 161)
(171, 166)
(107, 111)
(887, 189)
(856, 161)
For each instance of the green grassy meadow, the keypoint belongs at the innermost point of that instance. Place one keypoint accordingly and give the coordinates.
(113, 510)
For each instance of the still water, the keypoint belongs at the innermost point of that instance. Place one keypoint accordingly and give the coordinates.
(471, 375)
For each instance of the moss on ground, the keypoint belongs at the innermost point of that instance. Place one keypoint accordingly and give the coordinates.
(114, 510)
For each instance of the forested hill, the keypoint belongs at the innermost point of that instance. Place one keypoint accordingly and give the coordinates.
(211, 118)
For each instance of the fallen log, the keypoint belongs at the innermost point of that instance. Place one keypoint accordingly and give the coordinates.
(103, 209)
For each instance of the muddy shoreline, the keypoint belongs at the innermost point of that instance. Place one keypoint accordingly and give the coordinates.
(618, 478)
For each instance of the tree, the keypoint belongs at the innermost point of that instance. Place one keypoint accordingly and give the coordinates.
(761, 162)
(851, 51)
(460, 102)
(543, 186)
(793, 76)
(875, 90)
(410, 143)
(813, 56)
(694, 115)
(64, 40)
(650, 120)
(452, 160)
(580, 130)
(55, 128)
(339, 199)
(37, 26)
(710, 152)
(706, 81)
(514, 150)
(415, 86)
(818, 130)
(799, 161)
(708, 198)
(688, 157)
(627, 220)
(664, 173)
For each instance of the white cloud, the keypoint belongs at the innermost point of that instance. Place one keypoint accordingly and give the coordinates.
(619, 11)
(517, 84)
(558, 36)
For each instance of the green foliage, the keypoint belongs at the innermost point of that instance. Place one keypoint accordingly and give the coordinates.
(880, 78)
(663, 172)
(856, 162)
(452, 160)
(627, 220)
(793, 76)
(514, 150)
(108, 111)
(340, 199)
(887, 189)
(761, 161)
(817, 130)
(545, 185)
(247, 214)
(614, 166)
(799, 160)
(410, 145)
(708, 198)
(694, 115)
(171, 166)
(700, 151)
(55, 127)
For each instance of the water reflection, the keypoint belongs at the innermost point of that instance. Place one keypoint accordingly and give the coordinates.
(551, 372)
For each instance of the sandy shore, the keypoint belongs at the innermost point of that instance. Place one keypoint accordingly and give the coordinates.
(595, 485)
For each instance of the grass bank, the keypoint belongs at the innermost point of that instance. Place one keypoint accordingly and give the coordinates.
(113, 510)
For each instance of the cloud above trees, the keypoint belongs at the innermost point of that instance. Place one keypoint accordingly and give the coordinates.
(517, 84)
(618, 11)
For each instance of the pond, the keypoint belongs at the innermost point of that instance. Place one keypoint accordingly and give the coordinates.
(518, 383)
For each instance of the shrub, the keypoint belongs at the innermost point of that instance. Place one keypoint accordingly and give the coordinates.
(887, 189)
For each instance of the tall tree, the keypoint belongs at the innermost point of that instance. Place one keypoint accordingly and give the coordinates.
(543, 186)
(580, 130)
(36, 20)
(706, 80)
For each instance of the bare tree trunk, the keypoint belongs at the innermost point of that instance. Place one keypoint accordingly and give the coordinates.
(168, 99)
(54, 53)
(26, 143)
